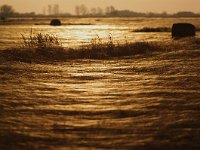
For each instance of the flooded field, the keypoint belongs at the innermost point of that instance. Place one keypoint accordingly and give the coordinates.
(77, 32)
(145, 101)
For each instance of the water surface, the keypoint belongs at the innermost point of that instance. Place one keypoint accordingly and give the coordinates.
(148, 101)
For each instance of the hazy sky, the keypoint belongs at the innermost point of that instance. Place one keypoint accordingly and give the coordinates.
(170, 6)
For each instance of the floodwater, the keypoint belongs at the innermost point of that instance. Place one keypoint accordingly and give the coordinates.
(135, 102)
(77, 32)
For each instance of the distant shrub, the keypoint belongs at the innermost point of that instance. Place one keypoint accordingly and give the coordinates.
(55, 22)
(180, 30)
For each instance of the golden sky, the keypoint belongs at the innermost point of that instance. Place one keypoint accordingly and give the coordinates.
(170, 6)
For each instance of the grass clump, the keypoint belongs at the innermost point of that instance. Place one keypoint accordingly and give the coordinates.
(41, 41)
(38, 47)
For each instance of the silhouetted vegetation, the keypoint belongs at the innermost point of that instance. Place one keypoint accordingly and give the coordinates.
(185, 14)
(55, 22)
(44, 48)
(83, 11)
(111, 11)
(183, 30)
(6, 11)
(41, 41)
(156, 29)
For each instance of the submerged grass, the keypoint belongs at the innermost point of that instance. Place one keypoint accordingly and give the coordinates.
(45, 48)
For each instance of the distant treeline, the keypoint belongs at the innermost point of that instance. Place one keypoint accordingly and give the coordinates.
(7, 11)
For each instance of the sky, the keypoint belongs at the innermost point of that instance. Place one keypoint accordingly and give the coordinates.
(170, 6)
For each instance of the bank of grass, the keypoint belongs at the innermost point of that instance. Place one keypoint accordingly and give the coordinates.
(153, 29)
(45, 47)
(99, 49)
(157, 29)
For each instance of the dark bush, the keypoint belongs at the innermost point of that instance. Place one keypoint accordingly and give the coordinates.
(55, 22)
(183, 30)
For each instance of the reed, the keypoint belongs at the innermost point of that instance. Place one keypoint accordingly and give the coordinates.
(99, 49)
(47, 48)
(41, 41)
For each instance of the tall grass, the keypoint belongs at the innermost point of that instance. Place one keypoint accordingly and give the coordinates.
(37, 47)
(45, 48)
(99, 49)
(41, 41)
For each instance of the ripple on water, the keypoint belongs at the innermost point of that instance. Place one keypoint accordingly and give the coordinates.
(107, 104)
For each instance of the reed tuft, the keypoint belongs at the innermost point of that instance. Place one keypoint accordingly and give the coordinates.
(41, 41)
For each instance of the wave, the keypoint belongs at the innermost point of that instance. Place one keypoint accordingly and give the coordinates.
(95, 51)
